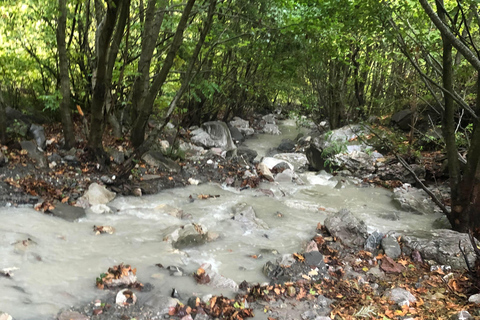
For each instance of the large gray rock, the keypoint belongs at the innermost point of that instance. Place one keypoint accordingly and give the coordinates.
(214, 134)
(398, 172)
(96, 195)
(391, 247)
(347, 228)
(286, 145)
(400, 296)
(413, 200)
(237, 136)
(271, 128)
(217, 280)
(298, 160)
(403, 119)
(323, 147)
(358, 163)
(38, 134)
(189, 235)
(440, 245)
(67, 212)
(245, 214)
(34, 153)
(271, 162)
(242, 125)
(158, 160)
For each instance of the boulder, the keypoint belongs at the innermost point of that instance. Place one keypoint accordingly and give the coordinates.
(391, 247)
(403, 119)
(69, 213)
(97, 194)
(34, 153)
(38, 134)
(170, 210)
(242, 125)
(347, 228)
(440, 245)
(271, 162)
(323, 146)
(191, 150)
(271, 128)
(158, 160)
(269, 118)
(358, 163)
(298, 160)
(214, 134)
(286, 145)
(413, 200)
(246, 153)
(373, 241)
(237, 136)
(400, 296)
(245, 214)
(189, 235)
(118, 156)
(217, 280)
(265, 171)
(398, 172)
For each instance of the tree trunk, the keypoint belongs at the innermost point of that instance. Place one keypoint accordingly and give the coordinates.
(102, 45)
(65, 103)
(110, 100)
(189, 74)
(3, 121)
(153, 21)
(145, 109)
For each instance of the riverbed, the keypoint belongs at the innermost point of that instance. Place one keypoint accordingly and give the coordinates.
(58, 266)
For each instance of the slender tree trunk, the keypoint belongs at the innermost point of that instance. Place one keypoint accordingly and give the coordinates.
(145, 109)
(3, 121)
(189, 74)
(65, 103)
(104, 35)
(153, 21)
(112, 57)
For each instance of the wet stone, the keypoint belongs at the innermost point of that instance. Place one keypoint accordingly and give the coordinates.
(69, 213)
(314, 258)
(391, 247)
(323, 304)
(373, 241)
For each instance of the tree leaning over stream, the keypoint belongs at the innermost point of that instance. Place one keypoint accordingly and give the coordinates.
(464, 182)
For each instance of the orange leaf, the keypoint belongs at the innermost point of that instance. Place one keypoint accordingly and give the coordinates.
(80, 110)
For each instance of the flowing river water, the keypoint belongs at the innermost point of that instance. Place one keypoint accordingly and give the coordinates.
(59, 269)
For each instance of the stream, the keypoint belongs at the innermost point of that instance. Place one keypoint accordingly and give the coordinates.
(58, 269)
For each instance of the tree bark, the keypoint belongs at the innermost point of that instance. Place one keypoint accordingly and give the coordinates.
(145, 109)
(112, 57)
(102, 45)
(65, 103)
(3, 121)
(189, 74)
(448, 125)
(153, 21)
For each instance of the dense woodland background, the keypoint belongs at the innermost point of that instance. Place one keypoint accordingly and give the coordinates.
(111, 66)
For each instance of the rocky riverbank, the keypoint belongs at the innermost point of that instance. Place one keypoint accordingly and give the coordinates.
(344, 272)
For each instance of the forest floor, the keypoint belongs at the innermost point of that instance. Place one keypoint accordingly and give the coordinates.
(439, 294)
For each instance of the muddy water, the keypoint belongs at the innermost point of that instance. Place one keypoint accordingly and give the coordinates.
(58, 267)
